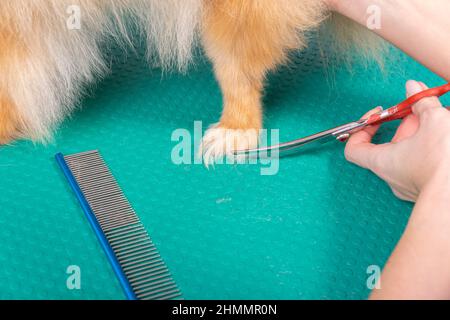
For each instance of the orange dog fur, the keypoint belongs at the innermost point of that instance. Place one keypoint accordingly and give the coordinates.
(10, 120)
(44, 66)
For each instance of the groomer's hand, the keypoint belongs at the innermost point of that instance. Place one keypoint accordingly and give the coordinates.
(419, 151)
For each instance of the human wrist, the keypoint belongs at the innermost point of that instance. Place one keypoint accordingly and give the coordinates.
(439, 178)
(349, 8)
(434, 197)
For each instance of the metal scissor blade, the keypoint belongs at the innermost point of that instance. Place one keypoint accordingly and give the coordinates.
(322, 137)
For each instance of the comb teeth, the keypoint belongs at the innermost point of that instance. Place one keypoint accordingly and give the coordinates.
(139, 260)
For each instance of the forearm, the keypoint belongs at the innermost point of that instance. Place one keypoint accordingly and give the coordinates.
(419, 28)
(419, 267)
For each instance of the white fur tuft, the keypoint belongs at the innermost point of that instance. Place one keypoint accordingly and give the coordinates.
(219, 143)
(172, 30)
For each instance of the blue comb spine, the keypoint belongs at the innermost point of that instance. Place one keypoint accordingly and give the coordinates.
(97, 229)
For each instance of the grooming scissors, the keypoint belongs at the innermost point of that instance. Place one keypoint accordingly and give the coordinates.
(343, 132)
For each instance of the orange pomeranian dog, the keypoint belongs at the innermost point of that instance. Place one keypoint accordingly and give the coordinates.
(44, 64)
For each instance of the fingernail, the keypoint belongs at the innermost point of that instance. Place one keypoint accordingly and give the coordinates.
(423, 85)
(413, 87)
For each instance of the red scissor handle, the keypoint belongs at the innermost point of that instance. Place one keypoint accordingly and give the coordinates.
(404, 108)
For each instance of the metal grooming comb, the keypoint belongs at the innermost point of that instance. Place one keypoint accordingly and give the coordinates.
(142, 273)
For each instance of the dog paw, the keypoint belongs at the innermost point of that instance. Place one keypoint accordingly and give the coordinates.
(219, 143)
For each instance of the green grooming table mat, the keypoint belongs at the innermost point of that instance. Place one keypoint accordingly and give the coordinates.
(308, 232)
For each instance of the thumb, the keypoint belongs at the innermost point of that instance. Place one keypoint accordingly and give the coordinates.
(359, 149)
(414, 87)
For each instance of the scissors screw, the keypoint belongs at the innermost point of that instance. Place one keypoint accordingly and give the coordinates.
(343, 137)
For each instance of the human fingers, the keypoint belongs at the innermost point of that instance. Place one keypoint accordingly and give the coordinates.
(413, 87)
(359, 148)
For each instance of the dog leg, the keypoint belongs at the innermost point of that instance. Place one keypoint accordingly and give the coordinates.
(244, 40)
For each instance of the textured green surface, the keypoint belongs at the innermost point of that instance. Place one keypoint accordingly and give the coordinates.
(308, 232)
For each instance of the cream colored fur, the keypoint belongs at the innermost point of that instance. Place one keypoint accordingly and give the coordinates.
(44, 73)
(46, 77)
